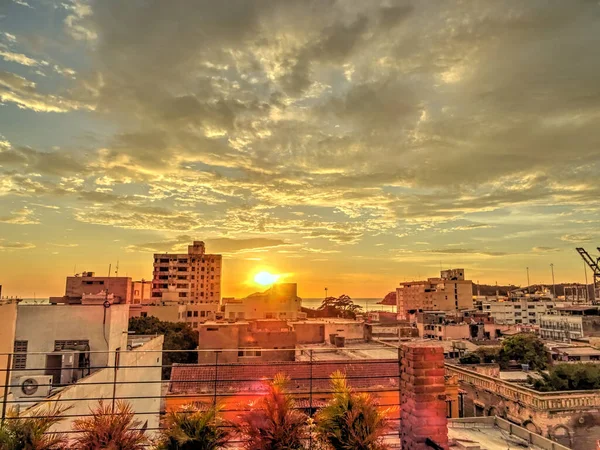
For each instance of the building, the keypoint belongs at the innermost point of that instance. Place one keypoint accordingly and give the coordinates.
(255, 341)
(89, 285)
(280, 301)
(75, 353)
(450, 292)
(514, 310)
(567, 417)
(192, 277)
(574, 353)
(141, 292)
(571, 322)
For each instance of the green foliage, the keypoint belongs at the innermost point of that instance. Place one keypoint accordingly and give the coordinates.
(178, 336)
(274, 423)
(488, 355)
(351, 421)
(523, 348)
(568, 377)
(32, 433)
(192, 429)
(110, 428)
(342, 306)
(470, 358)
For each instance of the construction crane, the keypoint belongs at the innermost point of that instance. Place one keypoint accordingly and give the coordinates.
(594, 264)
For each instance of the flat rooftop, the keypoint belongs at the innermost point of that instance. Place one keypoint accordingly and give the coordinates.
(494, 433)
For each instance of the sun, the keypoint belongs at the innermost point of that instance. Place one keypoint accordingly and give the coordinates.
(265, 278)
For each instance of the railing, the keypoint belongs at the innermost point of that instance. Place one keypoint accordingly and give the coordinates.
(150, 380)
(546, 401)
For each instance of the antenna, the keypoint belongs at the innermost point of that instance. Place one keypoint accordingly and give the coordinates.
(528, 283)
(109, 267)
(117, 269)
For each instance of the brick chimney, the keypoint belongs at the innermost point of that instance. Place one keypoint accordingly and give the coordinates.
(423, 397)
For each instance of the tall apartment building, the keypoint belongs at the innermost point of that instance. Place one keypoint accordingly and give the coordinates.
(192, 277)
(450, 292)
(519, 310)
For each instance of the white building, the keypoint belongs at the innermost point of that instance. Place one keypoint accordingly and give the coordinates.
(571, 322)
(192, 277)
(519, 310)
(76, 352)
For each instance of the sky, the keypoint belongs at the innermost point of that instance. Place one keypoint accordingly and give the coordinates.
(345, 144)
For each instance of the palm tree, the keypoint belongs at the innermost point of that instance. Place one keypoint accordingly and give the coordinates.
(274, 423)
(110, 427)
(350, 420)
(193, 429)
(32, 433)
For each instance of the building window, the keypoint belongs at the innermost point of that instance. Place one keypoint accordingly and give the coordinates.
(61, 345)
(20, 361)
(202, 313)
(183, 294)
(195, 313)
(189, 314)
(144, 314)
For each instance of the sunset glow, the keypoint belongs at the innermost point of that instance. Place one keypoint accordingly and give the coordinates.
(265, 278)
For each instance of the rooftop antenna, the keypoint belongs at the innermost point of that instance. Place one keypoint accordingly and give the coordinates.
(553, 284)
(117, 269)
(109, 267)
(528, 283)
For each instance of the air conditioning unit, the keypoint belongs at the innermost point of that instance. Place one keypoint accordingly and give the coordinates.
(33, 386)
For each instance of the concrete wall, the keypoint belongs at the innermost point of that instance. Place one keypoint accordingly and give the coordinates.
(141, 292)
(348, 329)
(166, 313)
(119, 286)
(8, 321)
(139, 375)
(221, 337)
(41, 325)
(310, 332)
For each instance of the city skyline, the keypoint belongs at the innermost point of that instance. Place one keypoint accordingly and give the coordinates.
(347, 145)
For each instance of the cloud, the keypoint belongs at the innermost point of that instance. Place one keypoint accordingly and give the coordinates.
(8, 246)
(577, 238)
(216, 245)
(468, 251)
(22, 216)
(545, 249)
(23, 92)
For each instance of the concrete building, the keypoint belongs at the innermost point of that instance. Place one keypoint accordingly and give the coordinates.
(450, 292)
(519, 309)
(192, 277)
(88, 284)
(571, 322)
(75, 353)
(141, 292)
(281, 301)
(256, 341)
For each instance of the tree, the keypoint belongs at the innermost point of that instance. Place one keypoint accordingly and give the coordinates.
(110, 428)
(488, 355)
(178, 336)
(470, 358)
(350, 420)
(193, 429)
(524, 348)
(342, 306)
(33, 433)
(568, 377)
(274, 423)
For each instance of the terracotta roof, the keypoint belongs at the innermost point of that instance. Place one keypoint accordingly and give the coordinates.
(363, 375)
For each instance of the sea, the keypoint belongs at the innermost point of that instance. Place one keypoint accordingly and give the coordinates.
(367, 304)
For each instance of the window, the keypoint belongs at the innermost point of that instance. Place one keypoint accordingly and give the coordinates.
(202, 313)
(189, 314)
(61, 345)
(195, 313)
(20, 361)
(183, 294)
(144, 314)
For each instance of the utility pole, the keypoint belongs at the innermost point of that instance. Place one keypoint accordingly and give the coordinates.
(528, 283)
(587, 291)
(553, 284)
(325, 292)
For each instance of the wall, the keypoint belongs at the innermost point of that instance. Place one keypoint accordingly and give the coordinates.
(218, 336)
(309, 332)
(281, 301)
(41, 325)
(348, 329)
(119, 286)
(166, 313)
(571, 418)
(8, 321)
(139, 376)
(141, 292)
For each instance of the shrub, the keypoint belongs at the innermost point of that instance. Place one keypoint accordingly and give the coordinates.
(192, 429)
(351, 421)
(568, 377)
(273, 423)
(32, 433)
(110, 428)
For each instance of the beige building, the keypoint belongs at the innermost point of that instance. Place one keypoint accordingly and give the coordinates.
(75, 352)
(141, 292)
(281, 301)
(192, 277)
(89, 285)
(519, 310)
(259, 340)
(450, 292)
(571, 322)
